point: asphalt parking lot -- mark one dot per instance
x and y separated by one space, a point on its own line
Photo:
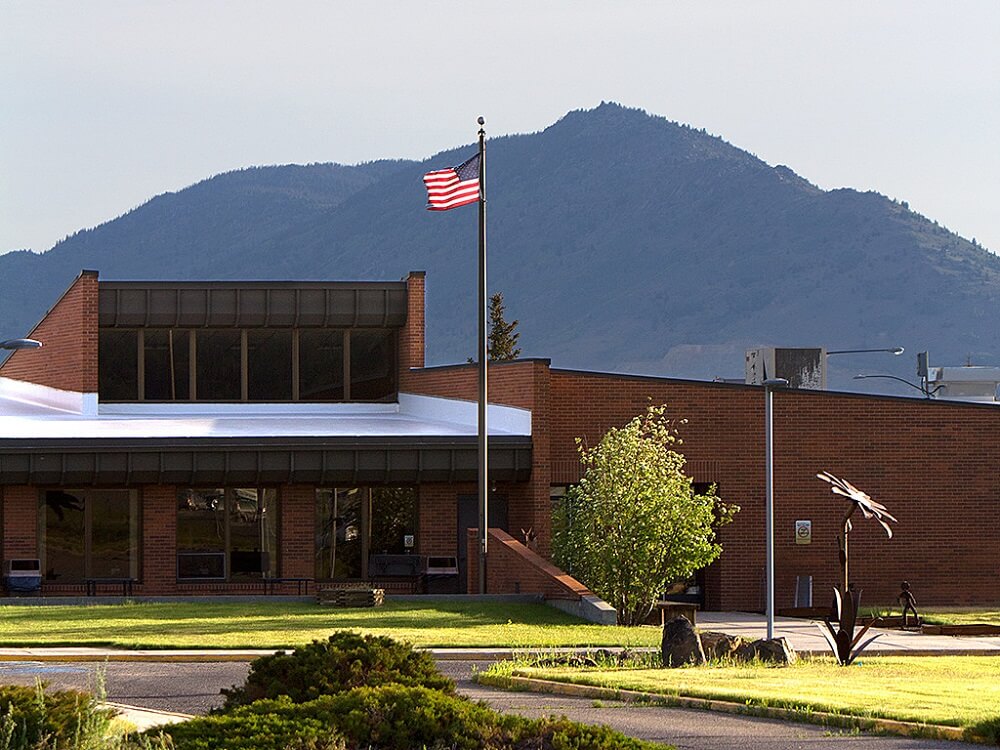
193 687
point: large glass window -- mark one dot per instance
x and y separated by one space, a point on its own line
321 365
356 524
227 534
269 365
219 354
201 533
393 520
118 364
253 533
339 538
89 534
373 365
261 364
166 356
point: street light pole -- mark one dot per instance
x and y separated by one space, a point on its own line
769 385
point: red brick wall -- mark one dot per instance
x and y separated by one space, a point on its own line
932 463
512 568
20 522
297 531
159 540
520 383
437 520
68 332
411 338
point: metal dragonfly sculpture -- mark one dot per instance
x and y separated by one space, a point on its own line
847 646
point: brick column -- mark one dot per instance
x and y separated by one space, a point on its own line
20 522
297 530
411 337
437 518
159 540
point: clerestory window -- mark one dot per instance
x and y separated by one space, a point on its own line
264 364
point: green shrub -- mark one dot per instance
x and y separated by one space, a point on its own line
32 719
252 730
343 662
390 717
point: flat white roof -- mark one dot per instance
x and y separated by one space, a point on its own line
29 411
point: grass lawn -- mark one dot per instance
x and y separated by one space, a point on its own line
945 616
961 616
962 691
285 624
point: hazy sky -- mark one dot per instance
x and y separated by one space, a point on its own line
106 104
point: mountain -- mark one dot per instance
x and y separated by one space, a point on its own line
622 241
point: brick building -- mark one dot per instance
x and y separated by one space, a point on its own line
209 437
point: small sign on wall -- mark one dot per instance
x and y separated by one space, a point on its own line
408 540
803 532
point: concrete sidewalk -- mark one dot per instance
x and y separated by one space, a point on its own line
146 718
803 635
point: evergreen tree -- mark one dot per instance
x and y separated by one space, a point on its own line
502 344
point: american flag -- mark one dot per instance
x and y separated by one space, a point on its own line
453 187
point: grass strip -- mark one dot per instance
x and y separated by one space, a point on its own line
949 616
263 625
956 691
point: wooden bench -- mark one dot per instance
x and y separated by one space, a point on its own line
670 610
91 584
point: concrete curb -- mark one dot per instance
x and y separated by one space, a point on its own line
237 655
54 655
905 728
145 718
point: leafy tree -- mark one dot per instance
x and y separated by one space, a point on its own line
635 524
502 344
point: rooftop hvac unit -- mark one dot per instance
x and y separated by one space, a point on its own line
802 368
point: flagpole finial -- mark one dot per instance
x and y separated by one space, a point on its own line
481 120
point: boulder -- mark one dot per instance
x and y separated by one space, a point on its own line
774 651
720 645
681 644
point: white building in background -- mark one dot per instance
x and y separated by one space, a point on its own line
980 384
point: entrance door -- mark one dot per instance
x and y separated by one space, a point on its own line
468 518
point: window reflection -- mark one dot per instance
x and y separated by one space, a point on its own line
166 355
354 523
118 364
321 366
89 534
218 365
219 357
269 365
201 533
227 533
373 365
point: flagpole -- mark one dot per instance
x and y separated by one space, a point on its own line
484 488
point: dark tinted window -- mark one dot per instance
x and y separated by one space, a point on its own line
219 356
321 366
269 365
89 534
166 360
118 365
373 365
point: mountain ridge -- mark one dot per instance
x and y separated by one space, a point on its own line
621 240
